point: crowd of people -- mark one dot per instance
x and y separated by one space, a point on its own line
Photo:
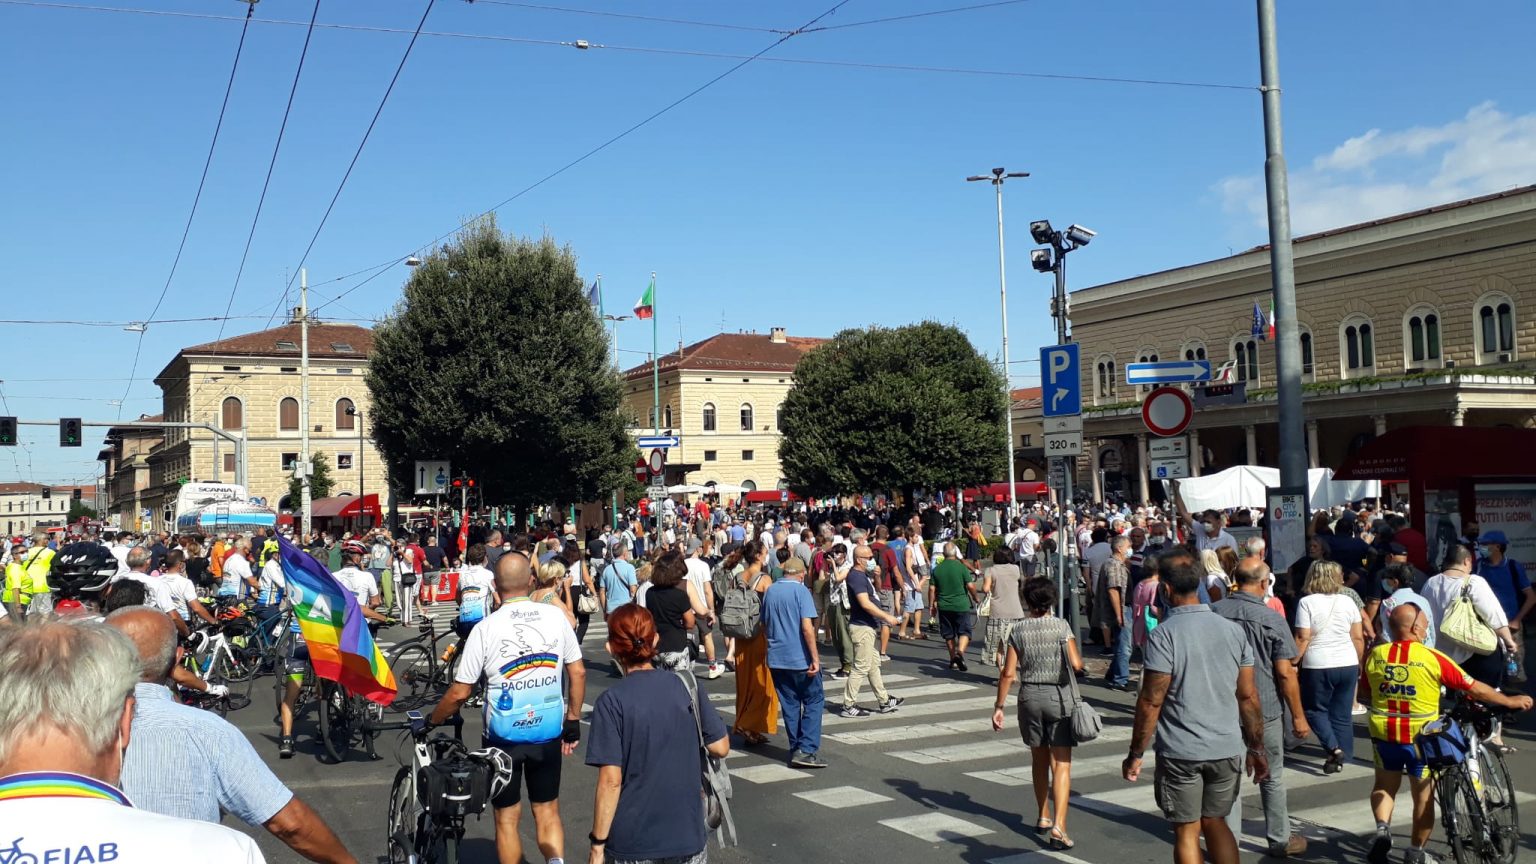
1239 665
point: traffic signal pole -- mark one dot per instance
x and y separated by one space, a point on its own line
236 440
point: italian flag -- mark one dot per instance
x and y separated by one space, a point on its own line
1271 327
646 306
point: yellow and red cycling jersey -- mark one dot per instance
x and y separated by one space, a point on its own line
1405 680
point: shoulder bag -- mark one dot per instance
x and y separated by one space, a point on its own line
1464 625
716 778
1086 722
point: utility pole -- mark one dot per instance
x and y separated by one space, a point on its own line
1282 269
997 178
305 501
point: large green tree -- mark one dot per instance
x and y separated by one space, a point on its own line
885 409
494 360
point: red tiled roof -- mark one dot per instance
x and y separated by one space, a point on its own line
745 352
19 488
323 339
1027 397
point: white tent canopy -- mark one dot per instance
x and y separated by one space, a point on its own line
724 488
686 488
1245 486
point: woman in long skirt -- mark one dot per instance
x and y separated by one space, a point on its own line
757 703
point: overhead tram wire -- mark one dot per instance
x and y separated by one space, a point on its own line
197 197
648 18
271 164
616 138
830 27
363 143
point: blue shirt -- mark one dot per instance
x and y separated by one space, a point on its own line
858 583
736 533
1508 581
188 763
1398 598
786 604
619 582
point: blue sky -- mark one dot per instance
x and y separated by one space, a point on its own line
815 197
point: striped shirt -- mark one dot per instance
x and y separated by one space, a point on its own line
185 762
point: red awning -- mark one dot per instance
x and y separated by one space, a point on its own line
767 496
1442 456
999 491
345 507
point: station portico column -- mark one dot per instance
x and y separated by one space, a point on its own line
1196 457
1313 458
1093 469
1380 420
1251 436
1143 467
1458 416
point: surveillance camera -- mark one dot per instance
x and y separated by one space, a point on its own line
1040 259
1041 231
1080 235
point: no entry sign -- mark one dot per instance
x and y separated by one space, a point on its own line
1167 411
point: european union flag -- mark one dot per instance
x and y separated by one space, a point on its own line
1259 324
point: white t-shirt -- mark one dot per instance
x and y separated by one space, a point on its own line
359 582
120 552
1441 590
157 594
1328 616
236 570
182 590
271 581
476 588
58 829
521 651
698 576
1204 541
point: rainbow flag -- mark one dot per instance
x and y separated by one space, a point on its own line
340 647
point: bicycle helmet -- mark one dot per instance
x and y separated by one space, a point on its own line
81 568
500 765
352 547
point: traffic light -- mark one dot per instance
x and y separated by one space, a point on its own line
471 482
69 432
47 493
458 483
76 494
7 431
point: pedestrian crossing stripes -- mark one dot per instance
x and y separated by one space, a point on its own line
841 797
936 826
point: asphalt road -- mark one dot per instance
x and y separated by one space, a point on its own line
929 783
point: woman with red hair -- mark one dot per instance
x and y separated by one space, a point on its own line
649 761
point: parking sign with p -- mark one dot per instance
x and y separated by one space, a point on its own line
1061 385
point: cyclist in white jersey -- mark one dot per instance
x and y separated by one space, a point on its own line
183 592
524 651
359 581
477 590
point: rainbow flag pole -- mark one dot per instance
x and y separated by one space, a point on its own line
340 647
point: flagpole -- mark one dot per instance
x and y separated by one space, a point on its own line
655 361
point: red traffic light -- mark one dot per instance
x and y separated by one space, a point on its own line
471 482
457 483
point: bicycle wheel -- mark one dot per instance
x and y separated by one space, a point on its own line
414 668
1499 803
400 828
338 721
1460 814
234 664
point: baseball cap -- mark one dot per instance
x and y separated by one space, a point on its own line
1397 549
794 565
1493 537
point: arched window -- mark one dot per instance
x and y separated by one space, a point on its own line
232 414
1421 337
1146 355
1306 354
748 486
1245 357
666 417
1357 347
709 416
345 421
1104 379
288 414
746 416
1194 351
1495 329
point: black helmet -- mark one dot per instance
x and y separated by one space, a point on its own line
81 568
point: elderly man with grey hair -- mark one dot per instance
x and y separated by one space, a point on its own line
157 590
66 712
189 763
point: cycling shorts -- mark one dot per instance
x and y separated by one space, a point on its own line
539 763
1399 759
297 660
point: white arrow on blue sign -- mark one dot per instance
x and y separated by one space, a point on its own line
659 442
1168 372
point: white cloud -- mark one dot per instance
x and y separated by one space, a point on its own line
1380 173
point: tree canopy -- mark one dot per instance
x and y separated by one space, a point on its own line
884 409
494 360
320 480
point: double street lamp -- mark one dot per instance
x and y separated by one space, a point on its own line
362 498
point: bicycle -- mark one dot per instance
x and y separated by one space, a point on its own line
430 797
419 674
1475 794
14 855
347 721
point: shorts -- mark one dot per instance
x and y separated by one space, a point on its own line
888 601
913 602
1188 790
297 662
1399 759
539 763
953 625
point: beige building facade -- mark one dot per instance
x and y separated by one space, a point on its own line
1427 318
722 396
249 385
23 507
125 456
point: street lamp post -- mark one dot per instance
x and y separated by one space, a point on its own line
362 477
997 178
613 320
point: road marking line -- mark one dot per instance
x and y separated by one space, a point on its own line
1081 768
1037 857
1357 820
926 709
1139 798
835 699
935 827
839 797
767 773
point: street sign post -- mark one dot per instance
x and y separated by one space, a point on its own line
1064 436
431 476
1168 448
1168 372
658 442
1167 411
1060 381
1170 469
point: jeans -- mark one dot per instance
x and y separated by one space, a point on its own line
1277 811
865 665
1328 695
801 703
1120 666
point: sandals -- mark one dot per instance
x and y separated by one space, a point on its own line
1045 825
1060 841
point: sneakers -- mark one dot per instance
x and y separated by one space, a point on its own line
798 759
714 671
841 674
285 747
1335 762
890 705
885 658
1297 845
1419 856
1381 847
960 663
853 711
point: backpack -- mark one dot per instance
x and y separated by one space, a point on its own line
720 580
741 615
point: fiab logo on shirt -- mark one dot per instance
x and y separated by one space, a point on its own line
85 853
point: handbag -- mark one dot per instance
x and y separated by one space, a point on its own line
1086 722
586 601
1464 625
716 779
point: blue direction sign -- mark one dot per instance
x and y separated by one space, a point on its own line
1061 384
1168 372
658 442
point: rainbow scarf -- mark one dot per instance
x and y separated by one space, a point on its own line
58 784
340 647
